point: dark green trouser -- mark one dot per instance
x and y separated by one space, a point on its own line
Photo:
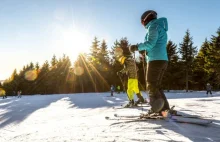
154 75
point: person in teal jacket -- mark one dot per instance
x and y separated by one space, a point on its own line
154 49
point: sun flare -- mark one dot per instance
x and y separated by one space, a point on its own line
72 42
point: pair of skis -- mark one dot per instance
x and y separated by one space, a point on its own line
135 106
179 118
174 118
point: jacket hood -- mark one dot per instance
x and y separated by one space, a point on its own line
161 21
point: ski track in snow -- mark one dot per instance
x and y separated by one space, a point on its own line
81 117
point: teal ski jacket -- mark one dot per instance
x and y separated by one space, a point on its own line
155 40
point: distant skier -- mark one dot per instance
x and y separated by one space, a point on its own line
155 50
208 89
130 69
112 90
118 89
19 94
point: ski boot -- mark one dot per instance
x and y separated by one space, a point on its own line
151 115
130 104
168 113
140 99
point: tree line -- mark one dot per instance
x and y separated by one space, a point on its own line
189 69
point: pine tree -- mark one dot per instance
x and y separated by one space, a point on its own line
171 76
187 52
104 51
94 50
43 78
94 61
172 52
113 60
102 57
31 65
53 61
12 83
37 67
200 75
84 81
104 66
65 72
213 59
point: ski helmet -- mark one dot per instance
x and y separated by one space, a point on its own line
126 51
147 16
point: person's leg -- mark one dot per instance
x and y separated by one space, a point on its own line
137 92
166 103
130 94
130 91
153 78
208 92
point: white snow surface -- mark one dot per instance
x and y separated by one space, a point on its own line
81 117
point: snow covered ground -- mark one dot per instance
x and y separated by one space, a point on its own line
81 117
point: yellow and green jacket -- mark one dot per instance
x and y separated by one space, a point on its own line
130 67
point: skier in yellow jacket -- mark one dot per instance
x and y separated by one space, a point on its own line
130 69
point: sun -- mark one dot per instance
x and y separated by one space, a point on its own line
72 42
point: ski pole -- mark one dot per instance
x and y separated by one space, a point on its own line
143 64
143 53
122 82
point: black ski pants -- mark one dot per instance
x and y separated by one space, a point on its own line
208 91
154 75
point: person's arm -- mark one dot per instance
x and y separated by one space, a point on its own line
151 39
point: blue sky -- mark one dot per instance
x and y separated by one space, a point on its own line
34 30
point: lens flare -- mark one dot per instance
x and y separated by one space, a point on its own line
30 75
2 92
78 70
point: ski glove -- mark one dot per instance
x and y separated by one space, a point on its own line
133 48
